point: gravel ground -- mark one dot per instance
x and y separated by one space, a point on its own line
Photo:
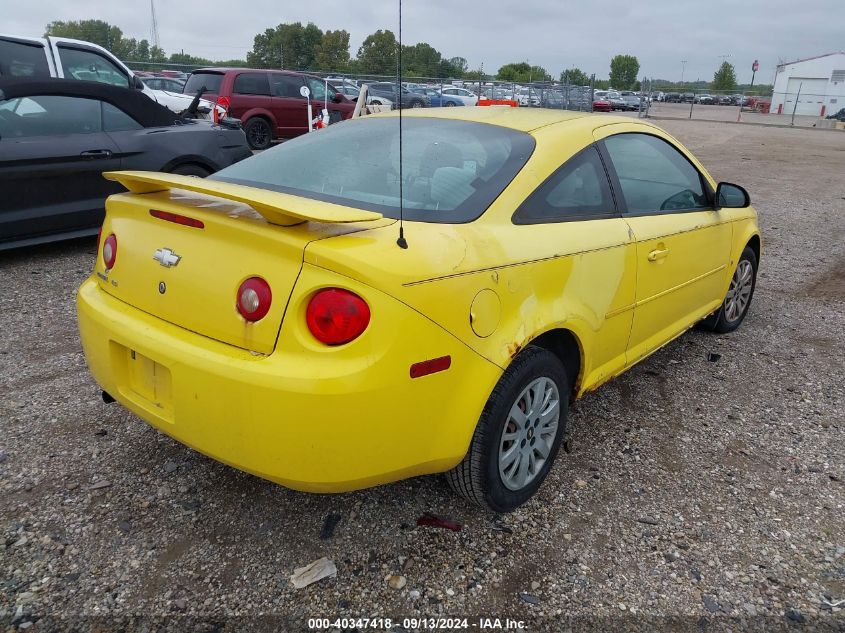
694 494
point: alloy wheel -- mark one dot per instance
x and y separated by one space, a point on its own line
529 433
739 293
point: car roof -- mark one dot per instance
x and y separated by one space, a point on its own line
134 102
520 119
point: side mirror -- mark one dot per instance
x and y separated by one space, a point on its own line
731 196
337 98
137 84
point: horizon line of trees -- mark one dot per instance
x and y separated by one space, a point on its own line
294 46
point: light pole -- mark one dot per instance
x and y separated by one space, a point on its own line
683 67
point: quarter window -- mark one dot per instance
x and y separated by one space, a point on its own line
578 190
116 120
654 176
252 84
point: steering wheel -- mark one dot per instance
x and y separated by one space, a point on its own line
685 199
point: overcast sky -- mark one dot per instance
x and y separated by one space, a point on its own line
555 34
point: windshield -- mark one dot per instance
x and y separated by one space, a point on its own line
453 170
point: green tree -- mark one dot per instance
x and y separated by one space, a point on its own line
332 53
724 78
189 60
420 60
377 55
522 72
454 67
475 74
575 77
287 46
95 31
623 71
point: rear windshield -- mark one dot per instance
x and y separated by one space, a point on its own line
211 81
452 170
18 59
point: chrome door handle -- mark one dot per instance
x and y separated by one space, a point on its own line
654 255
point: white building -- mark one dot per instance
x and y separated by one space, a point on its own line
813 86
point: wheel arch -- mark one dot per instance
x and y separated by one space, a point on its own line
190 159
755 245
566 345
261 113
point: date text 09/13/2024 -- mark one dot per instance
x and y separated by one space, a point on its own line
418 624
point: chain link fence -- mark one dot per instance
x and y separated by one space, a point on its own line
784 108
800 110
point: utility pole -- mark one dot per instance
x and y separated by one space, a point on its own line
281 56
683 68
154 41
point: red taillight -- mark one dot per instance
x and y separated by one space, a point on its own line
336 316
184 220
254 298
110 251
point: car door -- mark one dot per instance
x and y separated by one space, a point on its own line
683 244
573 215
322 98
77 61
250 92
289 107
53 151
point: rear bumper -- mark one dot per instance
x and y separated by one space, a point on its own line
319 420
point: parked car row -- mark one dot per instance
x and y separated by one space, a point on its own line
703 99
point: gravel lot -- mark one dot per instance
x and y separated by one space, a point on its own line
694 494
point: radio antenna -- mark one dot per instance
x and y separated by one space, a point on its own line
401 241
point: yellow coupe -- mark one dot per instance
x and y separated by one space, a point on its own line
269 317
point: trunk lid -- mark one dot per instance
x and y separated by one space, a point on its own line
189 275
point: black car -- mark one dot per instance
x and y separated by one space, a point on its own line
388 91
58 136
839 116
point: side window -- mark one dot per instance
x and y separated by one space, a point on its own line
91 66
252 84
19 59
47 115
318 89
116 120
654 175
287 86
578 190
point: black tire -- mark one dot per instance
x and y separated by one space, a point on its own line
258 133
450 104
417 104
190 170
719 321
477 477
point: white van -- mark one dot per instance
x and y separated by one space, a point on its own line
73 59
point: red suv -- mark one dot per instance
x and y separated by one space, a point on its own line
269 102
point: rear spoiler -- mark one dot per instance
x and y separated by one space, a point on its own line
278 208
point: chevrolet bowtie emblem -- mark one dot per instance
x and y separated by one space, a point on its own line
166 257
